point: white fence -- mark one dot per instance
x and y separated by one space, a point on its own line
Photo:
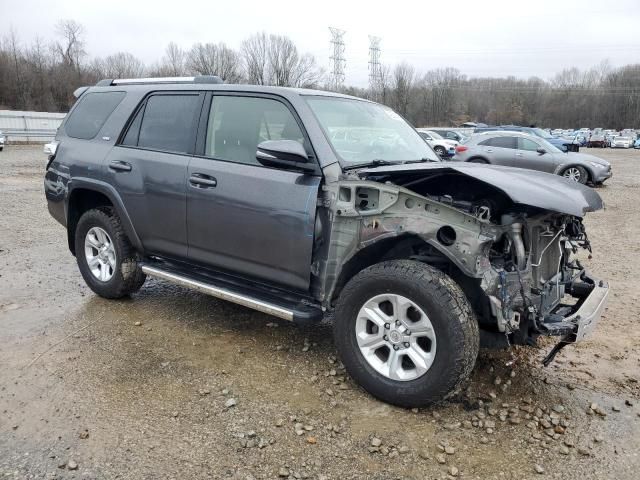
29 127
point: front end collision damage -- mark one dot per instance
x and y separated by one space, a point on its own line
514 261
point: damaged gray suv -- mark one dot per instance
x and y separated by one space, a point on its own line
304 205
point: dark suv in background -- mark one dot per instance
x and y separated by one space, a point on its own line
303 204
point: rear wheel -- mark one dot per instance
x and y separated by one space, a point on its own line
406 333
106 259
576 174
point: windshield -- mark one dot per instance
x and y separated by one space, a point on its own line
362 132
542 133
434 135
549 147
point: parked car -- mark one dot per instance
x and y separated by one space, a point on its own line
450 134
579 140
636 144
564 144
2 141
244 193
629 133
516 149
443 147
596 141
621 142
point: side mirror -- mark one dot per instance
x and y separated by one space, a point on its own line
283 154
541 151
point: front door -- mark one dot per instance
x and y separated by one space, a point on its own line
528 156
244 217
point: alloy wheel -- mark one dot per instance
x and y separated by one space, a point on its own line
100 254
396 337
572 174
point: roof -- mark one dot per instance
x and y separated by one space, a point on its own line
185 84
500 133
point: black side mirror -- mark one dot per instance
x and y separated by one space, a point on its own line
541 151
284 154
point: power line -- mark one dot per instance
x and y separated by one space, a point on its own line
336 60
375 68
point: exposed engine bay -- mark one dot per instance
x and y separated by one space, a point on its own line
515 261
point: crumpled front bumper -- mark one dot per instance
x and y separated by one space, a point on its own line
586 317
581 321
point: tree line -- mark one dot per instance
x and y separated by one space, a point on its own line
42 76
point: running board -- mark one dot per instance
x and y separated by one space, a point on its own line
297 313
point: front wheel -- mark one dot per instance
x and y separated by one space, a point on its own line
406 333
106 259
576 174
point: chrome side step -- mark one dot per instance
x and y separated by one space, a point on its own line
222 293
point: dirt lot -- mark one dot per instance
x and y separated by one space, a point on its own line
174 384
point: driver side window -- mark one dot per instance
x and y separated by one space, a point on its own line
238 124
528 145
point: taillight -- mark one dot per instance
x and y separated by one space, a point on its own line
461 148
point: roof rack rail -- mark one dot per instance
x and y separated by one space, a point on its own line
107 82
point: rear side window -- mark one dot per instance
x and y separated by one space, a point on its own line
500 142
91 113
166 123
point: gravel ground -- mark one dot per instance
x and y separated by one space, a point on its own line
174 384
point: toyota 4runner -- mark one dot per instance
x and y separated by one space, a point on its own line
305 204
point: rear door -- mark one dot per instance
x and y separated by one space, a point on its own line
243 217
149 168
500 150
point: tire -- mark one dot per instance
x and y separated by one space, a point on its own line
478 160
454 328
440 151
576 173
121 261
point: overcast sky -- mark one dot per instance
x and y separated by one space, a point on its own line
480 38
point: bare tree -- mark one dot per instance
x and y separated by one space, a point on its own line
16 55
215 59
118 65
71 49
275 60
403 77
173 61
254 51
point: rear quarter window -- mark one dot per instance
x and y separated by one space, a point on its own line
91 113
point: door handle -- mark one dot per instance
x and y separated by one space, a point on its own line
519 154
200 180
120 166
489 150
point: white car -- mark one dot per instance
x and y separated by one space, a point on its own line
621 142
2 140
443 147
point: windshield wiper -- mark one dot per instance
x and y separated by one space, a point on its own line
421 160
373 163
